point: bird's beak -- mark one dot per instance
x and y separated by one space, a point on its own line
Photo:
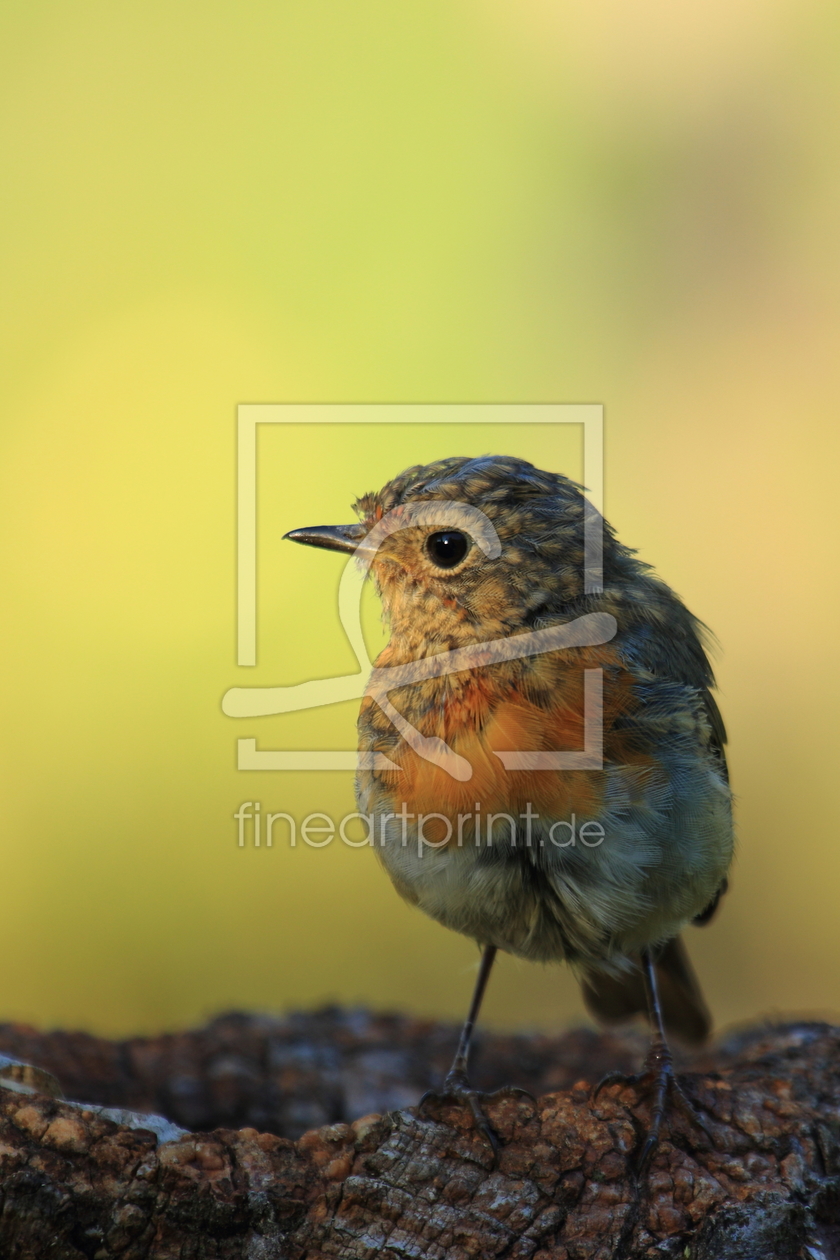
333 537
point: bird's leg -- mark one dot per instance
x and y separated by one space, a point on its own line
658 1062
457 1077
456 1086
660 1066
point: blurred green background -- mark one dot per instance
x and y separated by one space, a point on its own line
210 204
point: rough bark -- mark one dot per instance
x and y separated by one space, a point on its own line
75 1184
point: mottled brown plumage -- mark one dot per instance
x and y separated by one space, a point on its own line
660 794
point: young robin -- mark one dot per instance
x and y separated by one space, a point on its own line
551 778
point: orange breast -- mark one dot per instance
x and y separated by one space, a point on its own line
485 720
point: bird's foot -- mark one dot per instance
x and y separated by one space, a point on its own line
660 1079
659 1069
457 1088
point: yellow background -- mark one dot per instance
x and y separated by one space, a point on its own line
511 200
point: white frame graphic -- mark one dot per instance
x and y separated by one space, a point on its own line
252 701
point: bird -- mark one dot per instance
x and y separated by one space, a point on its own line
498 623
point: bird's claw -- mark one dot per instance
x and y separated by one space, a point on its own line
457 1088
511 1091
667 1088
614 1078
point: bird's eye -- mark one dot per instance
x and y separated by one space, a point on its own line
447 547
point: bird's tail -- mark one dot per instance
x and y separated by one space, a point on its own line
612 999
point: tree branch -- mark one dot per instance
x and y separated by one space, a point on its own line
75 1184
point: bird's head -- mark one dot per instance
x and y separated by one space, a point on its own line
467 549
